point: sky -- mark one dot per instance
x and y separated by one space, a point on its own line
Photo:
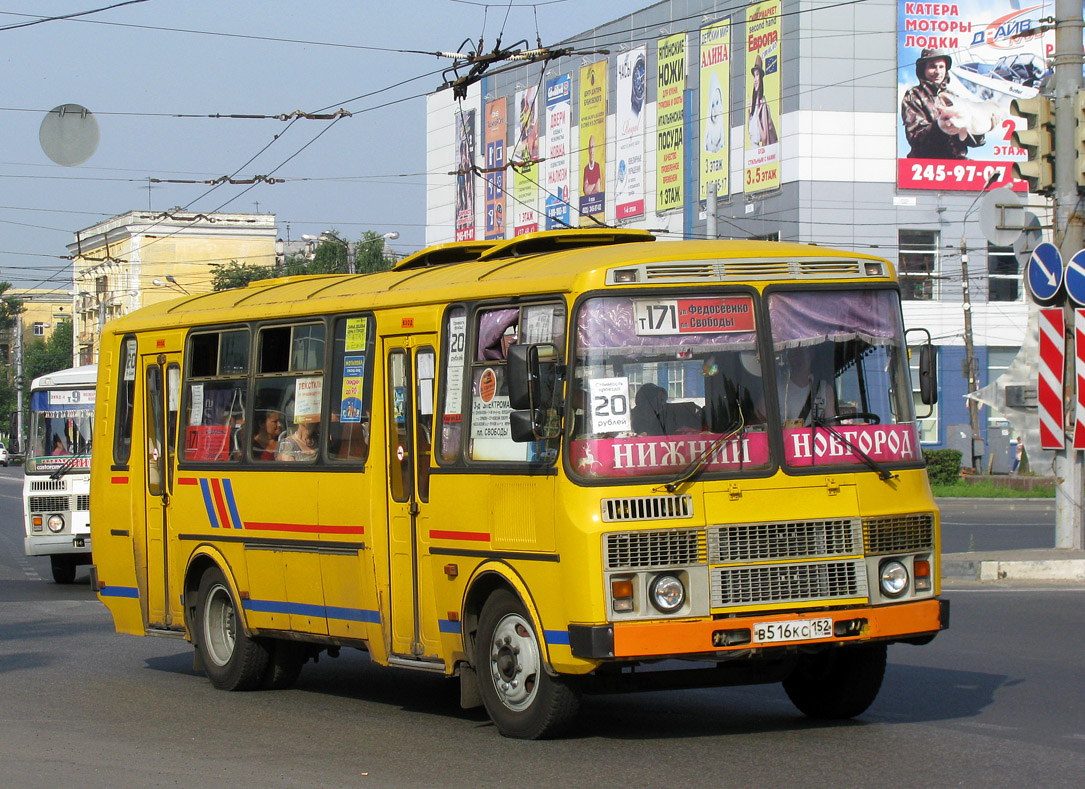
140 67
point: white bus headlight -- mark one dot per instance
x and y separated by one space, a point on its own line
894 578
56 523
667 593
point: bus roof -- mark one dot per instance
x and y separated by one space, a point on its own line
545 262
72 377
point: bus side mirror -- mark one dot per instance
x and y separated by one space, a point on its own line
928 375
532 375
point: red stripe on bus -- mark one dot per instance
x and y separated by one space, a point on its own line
220 505
308 528
188 481
473 536
119 480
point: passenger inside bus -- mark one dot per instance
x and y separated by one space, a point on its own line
265 441
300 444
654 416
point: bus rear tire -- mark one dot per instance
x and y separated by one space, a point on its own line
63 568
231 659
522 700
838 683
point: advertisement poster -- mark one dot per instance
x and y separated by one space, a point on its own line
629 137
593 145
465 177
494 140
715 108
959 66
762 106
558 125
353 379
525 156
670 121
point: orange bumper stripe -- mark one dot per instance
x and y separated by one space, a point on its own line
644 639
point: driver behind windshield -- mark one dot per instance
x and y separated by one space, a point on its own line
803 388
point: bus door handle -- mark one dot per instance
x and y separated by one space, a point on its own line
413 507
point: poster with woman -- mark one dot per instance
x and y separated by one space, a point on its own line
762 114
593 144
525 157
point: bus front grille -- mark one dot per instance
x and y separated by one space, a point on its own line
787 583
899 534
647 508
49 484
47 503
82 503
637 550
759 542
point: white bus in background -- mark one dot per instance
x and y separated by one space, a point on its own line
56 490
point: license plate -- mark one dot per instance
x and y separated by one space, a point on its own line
792 630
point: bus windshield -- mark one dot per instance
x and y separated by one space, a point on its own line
61 428
842 382
658 382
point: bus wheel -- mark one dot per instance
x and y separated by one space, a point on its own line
522 699
838 683
284 665
63 569
231 659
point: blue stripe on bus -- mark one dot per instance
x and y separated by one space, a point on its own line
209 505
228 490
557 636
119 591
448 626
308 609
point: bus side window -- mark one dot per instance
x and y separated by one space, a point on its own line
351 389
452 408
289 384
126 390
214 415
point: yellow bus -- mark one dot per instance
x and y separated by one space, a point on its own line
534 465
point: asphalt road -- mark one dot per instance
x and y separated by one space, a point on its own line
993 702
997 524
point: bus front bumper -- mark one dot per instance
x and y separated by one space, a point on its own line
42 545
918 621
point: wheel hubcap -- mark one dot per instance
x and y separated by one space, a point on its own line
515 662
220 625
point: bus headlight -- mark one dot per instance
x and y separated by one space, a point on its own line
667 593
893 577
56 523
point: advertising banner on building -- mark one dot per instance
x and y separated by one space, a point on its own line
593 144
558 132
670 121
959 65
715 106
494 136
525 157
465 176
762 110
629 134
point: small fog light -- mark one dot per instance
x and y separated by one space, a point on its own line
56 523
621 591
894 578
667 593
921 568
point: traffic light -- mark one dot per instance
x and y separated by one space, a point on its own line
1038 139
1079 139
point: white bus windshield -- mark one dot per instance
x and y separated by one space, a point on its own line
61 427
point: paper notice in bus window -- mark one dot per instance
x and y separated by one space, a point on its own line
307 393
538 324
457 344
355 339
195 416
610 405
713 315
130 361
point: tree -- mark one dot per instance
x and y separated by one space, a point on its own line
10 309
237 275
371 254
47 356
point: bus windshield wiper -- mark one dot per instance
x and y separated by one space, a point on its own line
694 468
883 473
69 464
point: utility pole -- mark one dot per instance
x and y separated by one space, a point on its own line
970 358
19 385
1068 237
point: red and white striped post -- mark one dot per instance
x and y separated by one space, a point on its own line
1079 373
1050 386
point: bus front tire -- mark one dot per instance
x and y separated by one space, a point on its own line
522 700
838 683
63 568
231 659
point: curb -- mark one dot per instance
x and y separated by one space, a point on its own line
1012 569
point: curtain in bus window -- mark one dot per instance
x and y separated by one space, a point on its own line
811 317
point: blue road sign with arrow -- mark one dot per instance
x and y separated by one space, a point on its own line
1075 278
1044 273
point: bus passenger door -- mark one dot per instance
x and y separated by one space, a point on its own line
162 393
410 364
